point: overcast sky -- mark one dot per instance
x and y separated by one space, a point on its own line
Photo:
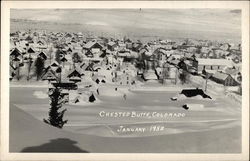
218 21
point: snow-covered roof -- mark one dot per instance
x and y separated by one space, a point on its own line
219 62
220 75
150 75
90 44
111 43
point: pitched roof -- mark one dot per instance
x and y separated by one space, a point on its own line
43 55
74 73
15 52
111 43
90 44
219 62
150 75
64 59
31 50
54 64
49 74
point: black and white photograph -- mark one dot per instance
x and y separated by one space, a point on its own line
126 80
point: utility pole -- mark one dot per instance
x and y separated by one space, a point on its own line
207 77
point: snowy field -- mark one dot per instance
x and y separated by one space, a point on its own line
144 113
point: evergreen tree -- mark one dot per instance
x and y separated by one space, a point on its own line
56 116
76 58
58 56
39 65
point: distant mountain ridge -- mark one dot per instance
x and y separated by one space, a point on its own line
116 31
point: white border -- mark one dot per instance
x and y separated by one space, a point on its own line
5 13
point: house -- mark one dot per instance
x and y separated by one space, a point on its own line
223 78
125 79
93 46
121 45
89 54
75 75
99 79
235 73
54 64
69 50
112 46
40 42
63 60
29 39
49 74
15 53
88 67
31 50
149 75
43 55
136 46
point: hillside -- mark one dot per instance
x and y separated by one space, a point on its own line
144 34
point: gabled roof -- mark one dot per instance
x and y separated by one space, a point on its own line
91 44
40 42
28 38
15 52
74 73
89 67
54 64
42 54
64 59
111 43
69 49
16 59
31 50
49 74
150 75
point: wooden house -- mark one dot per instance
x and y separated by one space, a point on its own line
112 46
43 55
225 79
93 46
75 75
49 74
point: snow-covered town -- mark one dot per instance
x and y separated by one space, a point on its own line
90 88
81 64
